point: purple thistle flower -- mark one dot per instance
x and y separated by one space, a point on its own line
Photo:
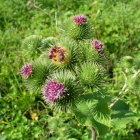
80 19
98 45
57 54
26 71
53 91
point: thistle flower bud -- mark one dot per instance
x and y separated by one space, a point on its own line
32 45
91 74
80 19
35 74
79 29
26 71
53 91
48 42
61 91
98 45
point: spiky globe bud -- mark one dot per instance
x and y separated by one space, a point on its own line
31 46
35 74
91 75
61 90
80 19
32 42
26 71
78 28
48 42
53 91
101 51
89 53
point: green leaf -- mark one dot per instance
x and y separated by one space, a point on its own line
101 113
94 113
121 115
98 106
88 120
120 105
101 128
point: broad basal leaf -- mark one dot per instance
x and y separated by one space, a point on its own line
121 115
94 113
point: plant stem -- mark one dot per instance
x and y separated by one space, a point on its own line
135 75
124 90
94 133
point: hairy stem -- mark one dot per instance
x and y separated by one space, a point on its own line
94 133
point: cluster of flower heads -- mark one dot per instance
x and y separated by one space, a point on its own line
98 45
53 91
57 54
80 19
26 71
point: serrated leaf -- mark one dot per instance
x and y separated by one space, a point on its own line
120 105
90 121
94 113
101 128
101 113
98 107
121 115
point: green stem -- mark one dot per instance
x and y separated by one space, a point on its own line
94 133
124 90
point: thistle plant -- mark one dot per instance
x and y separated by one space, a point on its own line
71 74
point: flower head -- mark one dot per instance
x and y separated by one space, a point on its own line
57 54
26 71
53 91
98 45
80 19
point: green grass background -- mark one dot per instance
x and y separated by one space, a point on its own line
116 23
